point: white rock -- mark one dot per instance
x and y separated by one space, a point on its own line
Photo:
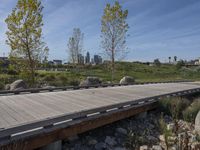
173 147
144 147
156 147
110 141
127 80
197 123
7 87
90 81
122 131
92 142
100 146
161 138
18 85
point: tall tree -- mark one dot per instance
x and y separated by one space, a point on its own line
114 29
175 58
25 36
75 45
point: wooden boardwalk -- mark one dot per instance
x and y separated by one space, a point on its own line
22 109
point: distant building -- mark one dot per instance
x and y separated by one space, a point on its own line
197 61
57 62
97 59
80 59
92 61
50 62
3 58
87 58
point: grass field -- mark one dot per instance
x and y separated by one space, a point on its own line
141 73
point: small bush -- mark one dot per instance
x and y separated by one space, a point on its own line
1 86
180 64
49 77
174 106
63 78
12 71
74 82
190 112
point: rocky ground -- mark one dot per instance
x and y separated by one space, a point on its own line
140 132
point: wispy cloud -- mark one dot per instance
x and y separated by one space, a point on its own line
158 28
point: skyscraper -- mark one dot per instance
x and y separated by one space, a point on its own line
87 58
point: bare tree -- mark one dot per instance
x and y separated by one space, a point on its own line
75 45
114 29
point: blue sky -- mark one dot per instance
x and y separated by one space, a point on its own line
158 28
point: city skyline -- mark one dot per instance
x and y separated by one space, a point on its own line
158 29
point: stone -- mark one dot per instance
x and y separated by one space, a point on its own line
110 141
7 87
170 126
195 146
48 87
151 126
122 131
152 139
100 146
73 138
18 85
156 147
91 81
141 115
144 147
174 147
197 123
92 142
119 148
127 80
53 146
78 146
161 138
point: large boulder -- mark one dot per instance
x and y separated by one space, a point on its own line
127 80
197 123
91 81
7 87
18 85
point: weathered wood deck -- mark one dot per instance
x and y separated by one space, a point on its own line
19 110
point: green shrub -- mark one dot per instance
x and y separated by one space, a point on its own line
180 64
173 106
190 112
163 128
49 77
1 86
63 79
74 82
